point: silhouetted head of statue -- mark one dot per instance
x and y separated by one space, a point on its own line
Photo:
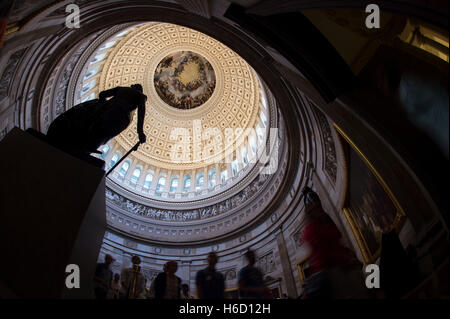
137 87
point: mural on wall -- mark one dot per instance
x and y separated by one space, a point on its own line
370 207
184 80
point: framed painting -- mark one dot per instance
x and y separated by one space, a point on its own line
303 269
370 207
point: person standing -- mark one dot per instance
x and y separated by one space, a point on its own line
103 277
210 283
113 292
250 278
167 284
132 280
336 273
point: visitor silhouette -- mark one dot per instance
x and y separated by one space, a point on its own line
85 127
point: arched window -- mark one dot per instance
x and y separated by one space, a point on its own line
107 45
244 156
260 133
252 143
124 169
199 181
135 176
90 73
88 86
263 119
121 34
174 184
114 160
148 180
212 177
224 176
88 97
264 101
234 168
161 182
105 151
187 183
98 58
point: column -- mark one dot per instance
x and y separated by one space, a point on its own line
229 172
205 180
141 180
180 188
286 265
184 272
193 184
154 181
130 170
217 169
167 184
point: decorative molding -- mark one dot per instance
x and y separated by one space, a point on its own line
200 7
150 274
61 11
266 263
8 72
201 213
329 148
235 102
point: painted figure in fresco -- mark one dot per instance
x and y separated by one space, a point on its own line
87 126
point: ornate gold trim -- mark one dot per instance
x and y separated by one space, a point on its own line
399 219
343 156
12 28
367 256
301 273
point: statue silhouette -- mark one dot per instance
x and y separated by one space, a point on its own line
85 127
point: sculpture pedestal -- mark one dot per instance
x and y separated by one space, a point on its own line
52 213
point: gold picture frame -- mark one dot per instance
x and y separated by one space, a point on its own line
368 251
232 293
300 269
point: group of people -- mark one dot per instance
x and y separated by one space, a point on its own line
335 272
210 283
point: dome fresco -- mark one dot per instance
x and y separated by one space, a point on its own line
227 96
184 80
